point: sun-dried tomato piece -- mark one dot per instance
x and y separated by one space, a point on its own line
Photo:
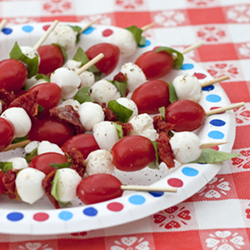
77 161
126 127
161 125
165 151
6 98
109 115
120 77
69 115
9 179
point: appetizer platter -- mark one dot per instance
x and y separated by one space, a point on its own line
122 196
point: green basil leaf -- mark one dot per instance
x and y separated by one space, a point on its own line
119 129
178 61
65 55
122 113
43 77
121 87
209 155
137 33
31 63
54 191
155 164
172 93
60 165
30 156
16 140
162 112
82 95
77 29
5 166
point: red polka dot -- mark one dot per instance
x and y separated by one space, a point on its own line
175 182
45 27
40 216
107 32
200 75
115 206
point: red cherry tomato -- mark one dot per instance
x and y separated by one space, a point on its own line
50 129
42 162
6 133
186 115
111 56
13 75
150 96
51 58
2 187
155 64
49 95
132 153
85 143
98 188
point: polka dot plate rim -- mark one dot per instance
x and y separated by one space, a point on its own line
41 218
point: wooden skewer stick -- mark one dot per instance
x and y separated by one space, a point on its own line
223 109
2 24
219 79
20 144
90 63
148 188
211 144
45 35
88 25
148 26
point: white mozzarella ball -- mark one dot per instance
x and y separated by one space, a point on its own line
105 134
47 147
29 184
143 125
187 87
104 91
128 104
31 146
30 52
67 80
90 114
74 103
19 119
87 79
134 74
73 64
125 41
18 163
68 181
99 161
185 146
33 82
65 36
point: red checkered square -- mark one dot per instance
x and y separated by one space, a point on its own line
242 137
242 184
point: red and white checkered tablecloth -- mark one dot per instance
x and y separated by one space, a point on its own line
218 216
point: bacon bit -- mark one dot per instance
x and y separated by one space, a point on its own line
28 102
165 151
47 186
126 127
6 98
77 161
69 115
8 180
120 77
109 115
161 125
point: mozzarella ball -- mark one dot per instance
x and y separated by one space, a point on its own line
30 52
33 82
185 146
134 74
19 119
31 146
65 36
67 80
47 147
128 104
105 134
90 114
104 91
73 64
29 184
187 87
125 41
99 161
18 163
143 125
74 103
68 181
87 79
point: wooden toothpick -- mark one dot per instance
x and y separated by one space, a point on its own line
219 79
2 24
17 145
148 188
223 109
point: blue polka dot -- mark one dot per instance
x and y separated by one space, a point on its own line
190 171
217 123
27 28
216 134
213 98
137 199
187 66
15 216
148 43
88 31
65 215
208 88
7 31
90 211
157 193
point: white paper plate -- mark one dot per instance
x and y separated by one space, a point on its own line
42 218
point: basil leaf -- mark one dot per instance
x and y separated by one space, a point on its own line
155 164
60 165
121 87
172 93
54 191
19 139
137 33
30 156
31 63
5 166
119 129
65 55
162 112
77 29
178 61
209 155
122 113
82 95
43 77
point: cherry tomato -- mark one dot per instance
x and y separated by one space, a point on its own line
50 129
2 187
42 162
132 153
6 133
99 187
49 95
111 56
155 64
51 58
150 96
186 115
85 143
13 75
